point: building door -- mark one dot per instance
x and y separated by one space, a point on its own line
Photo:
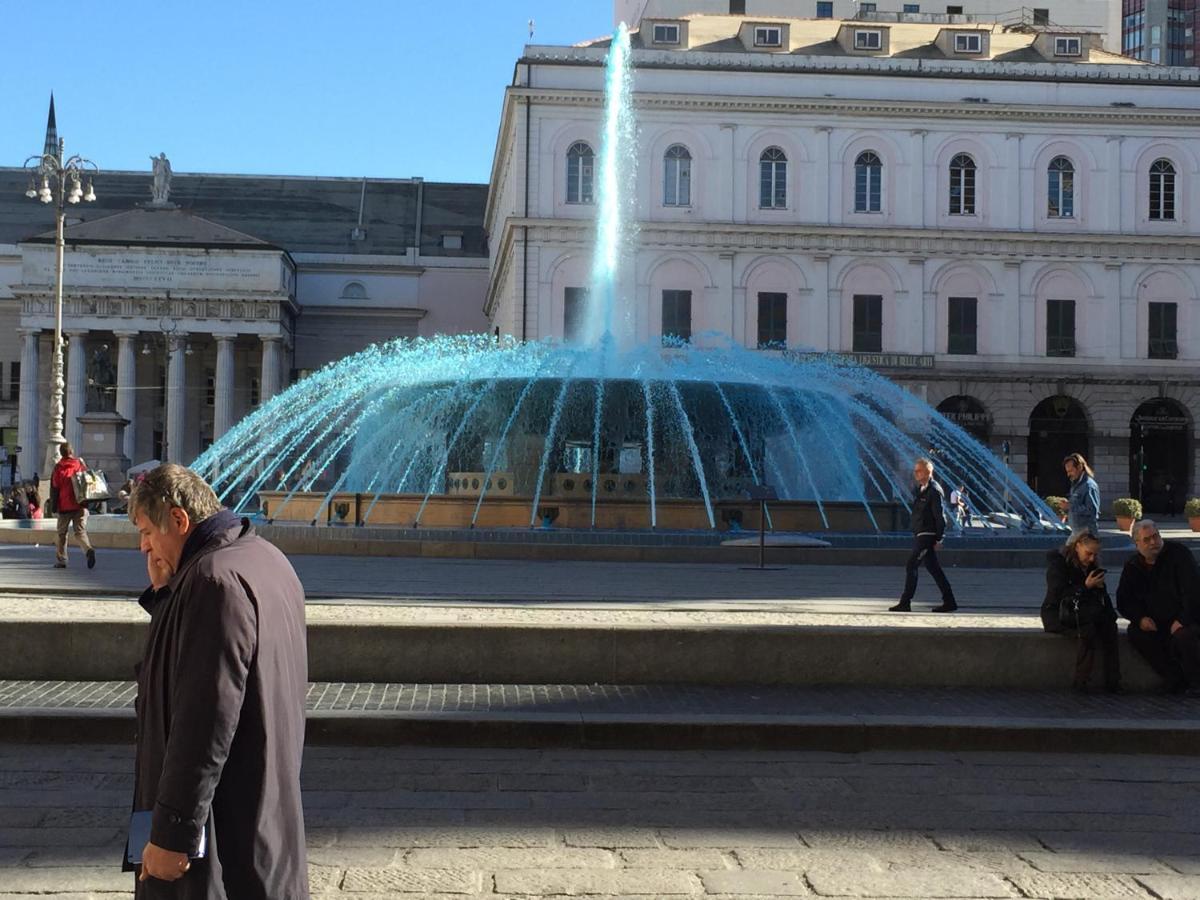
1159 454
1057 426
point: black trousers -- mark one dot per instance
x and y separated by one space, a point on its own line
1102 636
1175 657
923 552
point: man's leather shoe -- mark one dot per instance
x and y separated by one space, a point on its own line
902 606
91 558
945 607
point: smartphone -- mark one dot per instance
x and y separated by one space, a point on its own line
1099 571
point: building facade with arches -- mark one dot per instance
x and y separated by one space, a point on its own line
1011 235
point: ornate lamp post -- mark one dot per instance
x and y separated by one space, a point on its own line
58 180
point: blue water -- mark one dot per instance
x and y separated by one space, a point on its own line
616 419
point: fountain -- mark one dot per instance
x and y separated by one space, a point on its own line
469 431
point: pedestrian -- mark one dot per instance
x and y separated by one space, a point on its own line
1083 499
928 528
220 702
35 503
1077 603
71 514
16 506
1159 593
958 506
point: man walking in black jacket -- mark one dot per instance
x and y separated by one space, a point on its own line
1159 594
928 528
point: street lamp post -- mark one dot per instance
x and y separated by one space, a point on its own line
58 180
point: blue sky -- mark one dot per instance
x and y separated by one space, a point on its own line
311 87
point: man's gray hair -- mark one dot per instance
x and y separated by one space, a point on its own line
168 486
1139 526
925 463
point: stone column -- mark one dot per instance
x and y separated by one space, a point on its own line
76 389
127 390
224 386
818 331
30 400
269 385
176 396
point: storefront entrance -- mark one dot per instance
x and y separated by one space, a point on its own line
1057 426
1160 450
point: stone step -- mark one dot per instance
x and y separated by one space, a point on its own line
347 644
843 719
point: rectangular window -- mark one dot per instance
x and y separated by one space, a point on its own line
14 381
255 392
867 7
954 10
772 321
963 329
868 323
968 43
1060 327
574 309
1041 16
737 7
912 7
1067 46
768 36
210 388
666 34
676 316
868 40
824 9
1163 342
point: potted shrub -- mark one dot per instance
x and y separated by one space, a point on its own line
1191 509
1060 506
1127 510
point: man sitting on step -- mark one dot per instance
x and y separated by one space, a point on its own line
1159 594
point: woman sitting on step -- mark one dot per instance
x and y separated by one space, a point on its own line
1077 604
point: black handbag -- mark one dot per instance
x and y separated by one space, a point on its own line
1082 608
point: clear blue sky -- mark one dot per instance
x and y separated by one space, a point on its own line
310 87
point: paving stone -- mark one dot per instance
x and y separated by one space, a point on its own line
620 881
13 856
490 858
405 880
449 783
688 838
57 837
1172 887
840 881
88 817
523 781
1083 886
97 856
443 837
359 857
323 878
870 841
22 880
658 858
1122 864
1149 843
742 882
610 837
1185 865
978 841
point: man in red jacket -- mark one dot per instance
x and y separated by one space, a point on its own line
70 513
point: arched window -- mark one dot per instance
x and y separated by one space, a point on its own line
1060 189
962 185
772 179
354 290
868 181
580 178
1162 191
677 176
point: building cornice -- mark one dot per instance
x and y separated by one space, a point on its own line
871 108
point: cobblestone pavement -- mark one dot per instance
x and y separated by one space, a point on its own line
848 589
658 700
443 823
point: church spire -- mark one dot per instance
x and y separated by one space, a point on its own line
51 148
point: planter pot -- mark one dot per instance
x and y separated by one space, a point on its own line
1125 523
1194 522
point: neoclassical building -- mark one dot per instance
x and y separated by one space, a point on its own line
183 316
1005 221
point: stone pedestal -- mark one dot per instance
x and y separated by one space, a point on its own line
102 446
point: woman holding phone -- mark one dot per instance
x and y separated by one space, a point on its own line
1077 604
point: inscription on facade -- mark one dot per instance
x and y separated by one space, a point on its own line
177 270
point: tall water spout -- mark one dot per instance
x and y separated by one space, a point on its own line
610 320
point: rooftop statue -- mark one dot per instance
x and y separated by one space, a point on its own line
160 187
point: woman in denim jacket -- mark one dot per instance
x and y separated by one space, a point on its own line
1083 513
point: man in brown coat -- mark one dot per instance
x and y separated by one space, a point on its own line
220 706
